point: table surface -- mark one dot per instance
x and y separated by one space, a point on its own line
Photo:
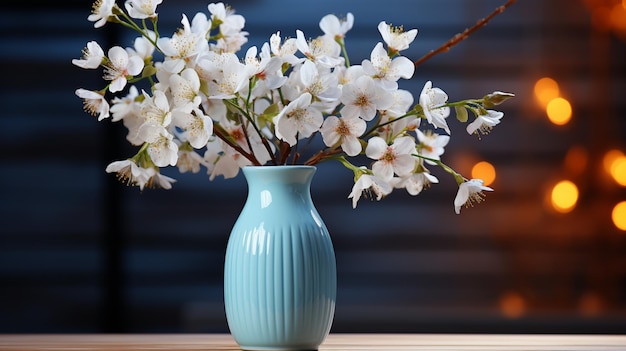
362 342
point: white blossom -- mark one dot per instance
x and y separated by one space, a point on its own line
336 28
196 127
142 47
189 161
470 192
94 103
162 149
142 9
231 77
401 103
101 11
371 185
92 56
431 145
185 90
414 183
159 180
183 48
395 37
345 131
205 103
284 50
391 159
323 49
298 120
266 68
231 35
224 161
126 106
432 100
130 173
120 67
319 81
362 98
484 123
385 70
156 109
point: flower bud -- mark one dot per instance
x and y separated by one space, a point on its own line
496 98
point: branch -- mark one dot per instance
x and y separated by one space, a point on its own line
457 38
223 135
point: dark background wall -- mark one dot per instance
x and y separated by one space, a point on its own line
79 252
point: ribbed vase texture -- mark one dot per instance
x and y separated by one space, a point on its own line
280 277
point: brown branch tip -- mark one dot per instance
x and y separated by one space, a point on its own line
457 38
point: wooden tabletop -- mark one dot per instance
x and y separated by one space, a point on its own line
362 342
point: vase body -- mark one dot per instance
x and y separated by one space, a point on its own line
280 277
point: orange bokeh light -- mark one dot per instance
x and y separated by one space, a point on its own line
576 159
512 305
485 171
590 304
559 111
564 196
609 159
618 17
618 170
546 89
619 215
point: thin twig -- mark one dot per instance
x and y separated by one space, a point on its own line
224 136
457 38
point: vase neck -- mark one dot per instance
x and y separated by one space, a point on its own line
279 174
268 185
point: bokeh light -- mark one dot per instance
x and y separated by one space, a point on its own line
609 159
619 215
618 170
590 304
564 196
618 17
512 305
559 111
600 18
485 171
576 160
546 89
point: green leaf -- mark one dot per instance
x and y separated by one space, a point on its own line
271 111
148 70
266 117
461 113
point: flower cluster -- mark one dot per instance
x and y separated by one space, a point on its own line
202 106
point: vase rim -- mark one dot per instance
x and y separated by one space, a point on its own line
281 166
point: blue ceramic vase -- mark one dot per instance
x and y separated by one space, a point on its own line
280 277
